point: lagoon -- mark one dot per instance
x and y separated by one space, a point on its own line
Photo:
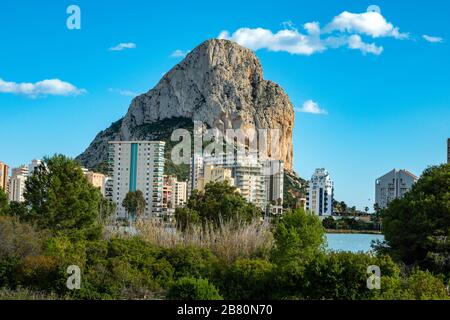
353 242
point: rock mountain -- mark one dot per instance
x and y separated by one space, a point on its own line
219 83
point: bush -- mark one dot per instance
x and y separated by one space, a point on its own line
299 236
248 279
419 285
189 261
188 288
333 275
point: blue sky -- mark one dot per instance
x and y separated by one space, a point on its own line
383 108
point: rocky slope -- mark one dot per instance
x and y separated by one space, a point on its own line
219 83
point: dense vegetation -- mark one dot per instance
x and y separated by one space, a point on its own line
417 227
63 223
350 223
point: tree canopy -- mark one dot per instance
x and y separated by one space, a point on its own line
417 227
61 199
218 203
134 203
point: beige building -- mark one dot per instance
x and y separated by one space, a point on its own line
214 173
4 176
97 180
17 184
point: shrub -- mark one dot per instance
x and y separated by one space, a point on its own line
188 288
419 285
299 236
248 279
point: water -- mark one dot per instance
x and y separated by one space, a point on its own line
353 242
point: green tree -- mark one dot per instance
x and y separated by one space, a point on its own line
417 227
186 218
219 203
134 203
298 237
107 211
62 200
344 207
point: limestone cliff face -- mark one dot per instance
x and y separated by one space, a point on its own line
219 83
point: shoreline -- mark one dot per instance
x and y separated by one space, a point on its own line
353 231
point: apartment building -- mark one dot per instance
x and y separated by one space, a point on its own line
320 193
393 185
137 165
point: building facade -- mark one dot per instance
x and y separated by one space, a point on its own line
215 173
179 193
274 181
393 185
96 179
4 177
32 167
137 165
17 182
244 171
195 173
320 193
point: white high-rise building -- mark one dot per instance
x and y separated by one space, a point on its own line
393 185
274 180
195 173
137 165
320 193
17 183
32 167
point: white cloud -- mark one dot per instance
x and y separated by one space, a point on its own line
54 87
179 53
355 42
311 106
433 39
126 93
369 23
122 46
289 40
345 29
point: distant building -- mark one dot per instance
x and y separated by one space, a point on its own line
195 173
249 179
137 165
179 193
167 191
242 169
320 193
32 167
215 173
4 176
17 182
96 179
274 181
393 185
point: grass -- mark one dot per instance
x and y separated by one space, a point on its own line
231 241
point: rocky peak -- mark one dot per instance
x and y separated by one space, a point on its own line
219 83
